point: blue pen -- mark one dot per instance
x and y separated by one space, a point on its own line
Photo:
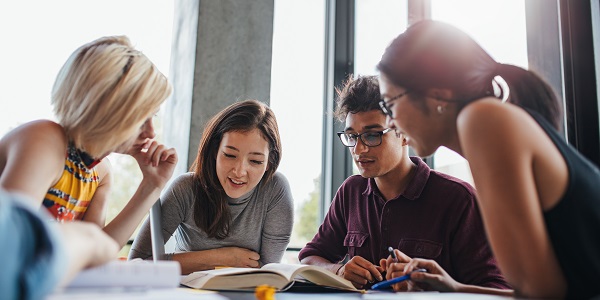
388 283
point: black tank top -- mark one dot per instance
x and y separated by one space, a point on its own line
574 223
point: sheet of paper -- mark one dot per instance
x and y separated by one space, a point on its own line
130 274
133 294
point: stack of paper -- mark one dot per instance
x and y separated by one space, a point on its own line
129 274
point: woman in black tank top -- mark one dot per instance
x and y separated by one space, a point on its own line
539 197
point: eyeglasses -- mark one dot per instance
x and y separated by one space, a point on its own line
384 105
369 138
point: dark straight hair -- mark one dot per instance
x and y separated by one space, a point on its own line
211 212
433 54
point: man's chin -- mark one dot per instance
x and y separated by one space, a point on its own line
367 174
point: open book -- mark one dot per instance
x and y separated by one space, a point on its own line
280 276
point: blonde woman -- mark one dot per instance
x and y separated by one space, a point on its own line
104 99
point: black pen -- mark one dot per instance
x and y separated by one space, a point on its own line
393 254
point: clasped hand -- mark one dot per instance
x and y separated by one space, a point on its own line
239 257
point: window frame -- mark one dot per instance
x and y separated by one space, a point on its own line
555 31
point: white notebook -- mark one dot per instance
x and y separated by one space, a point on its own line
130 274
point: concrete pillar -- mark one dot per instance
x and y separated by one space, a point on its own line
221 54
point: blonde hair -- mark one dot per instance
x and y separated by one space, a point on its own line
104 93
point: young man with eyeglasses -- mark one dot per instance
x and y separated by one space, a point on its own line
397 201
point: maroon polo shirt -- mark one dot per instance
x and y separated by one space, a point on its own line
436 217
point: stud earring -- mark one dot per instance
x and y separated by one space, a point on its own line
440 109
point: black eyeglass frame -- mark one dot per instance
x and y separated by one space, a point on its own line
360 136
384 105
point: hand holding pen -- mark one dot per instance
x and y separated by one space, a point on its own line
360 272
385 284
435 279
395 257
424 274
393 265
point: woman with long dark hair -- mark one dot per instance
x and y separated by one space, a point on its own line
233 209
539 197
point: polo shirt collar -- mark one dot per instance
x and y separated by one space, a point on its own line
415 186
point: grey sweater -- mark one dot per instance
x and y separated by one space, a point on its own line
261 220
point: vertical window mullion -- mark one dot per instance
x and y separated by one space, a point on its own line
580 83
337 164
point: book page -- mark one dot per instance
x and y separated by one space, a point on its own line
289 271
326 278
234 279
198 279
314 274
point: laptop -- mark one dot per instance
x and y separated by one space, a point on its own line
158 243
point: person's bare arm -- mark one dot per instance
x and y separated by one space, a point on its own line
435 279
209 259
34 158
157 165
87 246
498 140
96 211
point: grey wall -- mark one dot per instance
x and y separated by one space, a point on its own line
221 54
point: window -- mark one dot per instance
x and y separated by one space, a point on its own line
297 99
377 24
504 41
40 35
